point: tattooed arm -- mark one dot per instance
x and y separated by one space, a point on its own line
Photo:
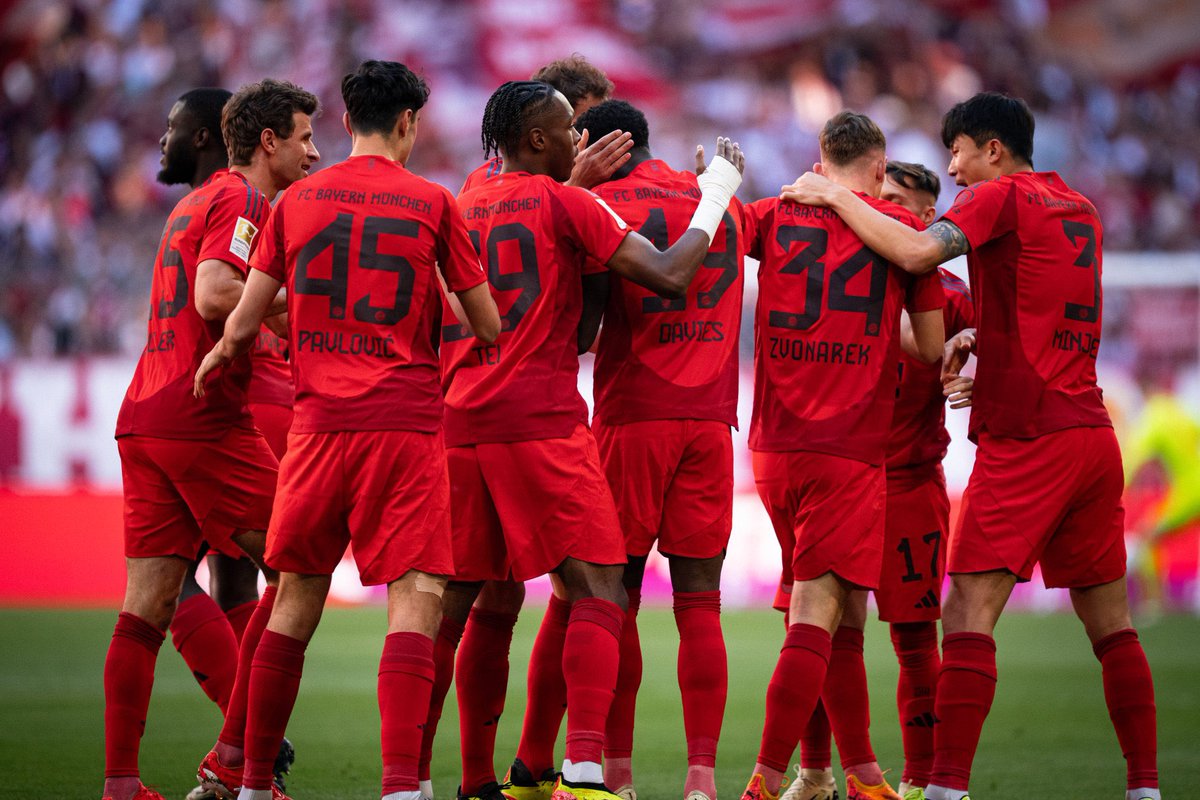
914 251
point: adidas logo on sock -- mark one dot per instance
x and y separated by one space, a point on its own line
926 720
930 600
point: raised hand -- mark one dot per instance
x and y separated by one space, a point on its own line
595 163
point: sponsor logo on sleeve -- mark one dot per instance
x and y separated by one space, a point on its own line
243 237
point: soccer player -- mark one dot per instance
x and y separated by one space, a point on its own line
1046 487
584 85
666 380
529 494
828 315
916 528
195 471
359 248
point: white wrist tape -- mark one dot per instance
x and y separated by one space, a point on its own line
717 185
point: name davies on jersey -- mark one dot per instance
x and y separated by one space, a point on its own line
695 331
346 344
851 353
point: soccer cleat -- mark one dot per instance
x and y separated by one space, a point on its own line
200 793
756 791
912 792
696 794
519 783
143 793
626 792
808 786
224 782
856 790
283 764
581 791
489 791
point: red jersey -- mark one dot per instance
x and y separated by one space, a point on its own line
918 434
219 219
533 236
827 331
484 172
1035 265
662 358
357 245
271 378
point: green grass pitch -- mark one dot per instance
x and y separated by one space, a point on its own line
1048 735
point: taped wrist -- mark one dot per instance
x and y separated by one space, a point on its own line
717 185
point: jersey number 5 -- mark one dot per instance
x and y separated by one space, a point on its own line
336 237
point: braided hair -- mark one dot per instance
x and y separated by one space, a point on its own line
508 113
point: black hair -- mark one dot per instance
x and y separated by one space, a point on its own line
378 92
615 115
917 177
509 111
205 104
991 115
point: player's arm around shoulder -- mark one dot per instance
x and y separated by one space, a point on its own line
914 251
671 271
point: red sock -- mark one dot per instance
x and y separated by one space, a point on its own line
444 648
816 746
274 682
405 681
547 691
590 656
618 732
793 692
202 635
128 679
1129 693
916 649
965 689
703 673
481 676
846 698
233 732
239 618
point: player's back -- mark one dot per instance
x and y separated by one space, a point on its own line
827 330
217 220
1035 264
357 244
918 433
532 235
482 174
663 358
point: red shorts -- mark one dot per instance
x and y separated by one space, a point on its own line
827 512
672 480
520 509
1055 500
273 421
914 545
386 493
179 492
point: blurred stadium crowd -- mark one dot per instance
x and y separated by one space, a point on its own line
85 88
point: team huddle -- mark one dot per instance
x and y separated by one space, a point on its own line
361 358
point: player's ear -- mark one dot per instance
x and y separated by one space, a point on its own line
819 168
201 138
405 122
993 150
537 139
346 122
268 141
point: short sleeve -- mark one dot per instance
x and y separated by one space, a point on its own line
925 293
599 230
270 254
754 215
960 308
457 258
982 211
232 226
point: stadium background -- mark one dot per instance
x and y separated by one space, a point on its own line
84 93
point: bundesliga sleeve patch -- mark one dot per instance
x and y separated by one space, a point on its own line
243 236
615 215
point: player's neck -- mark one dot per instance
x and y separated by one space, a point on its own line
856 181
207 164
637 156
258 174
391 148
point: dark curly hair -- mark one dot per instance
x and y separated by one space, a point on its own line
615 115
509 112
